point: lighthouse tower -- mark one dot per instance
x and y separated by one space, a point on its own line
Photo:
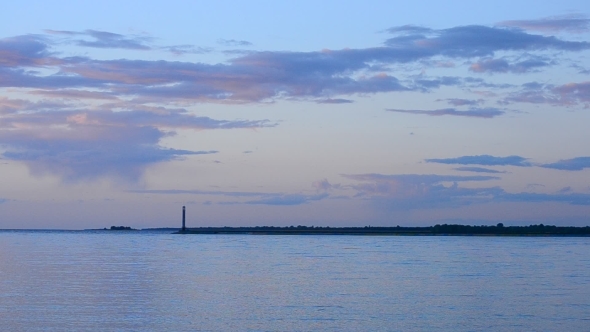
183 218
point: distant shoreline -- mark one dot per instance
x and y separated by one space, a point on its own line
437 230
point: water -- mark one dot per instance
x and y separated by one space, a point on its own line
126 281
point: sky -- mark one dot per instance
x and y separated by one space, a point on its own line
331 113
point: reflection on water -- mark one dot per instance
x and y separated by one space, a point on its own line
76 281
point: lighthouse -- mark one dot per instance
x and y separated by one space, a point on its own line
183 218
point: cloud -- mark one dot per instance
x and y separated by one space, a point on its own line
426 84
75 161
419 178
574 164
104 39
207 192
334 101
186 49
75 94
474 41
26 50
409 29
573 92
10 108
567 23
485 160
486 113
233 42
292 199
416 191
462 102
399 192
86 152
112 108
403 185
82 145
324 186
315 74
61 32
291 73
568 198
264 75
249 78
533 85
580 69
154 117
12 105
530 96
569 94
262 198
478 170
503 66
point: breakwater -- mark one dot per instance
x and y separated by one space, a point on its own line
498 230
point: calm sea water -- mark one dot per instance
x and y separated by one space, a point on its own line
125 281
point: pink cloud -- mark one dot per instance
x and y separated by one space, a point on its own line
569 23
574 92
569 94
78 145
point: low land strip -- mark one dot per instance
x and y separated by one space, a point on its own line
498 230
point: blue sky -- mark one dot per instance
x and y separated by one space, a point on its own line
289 113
